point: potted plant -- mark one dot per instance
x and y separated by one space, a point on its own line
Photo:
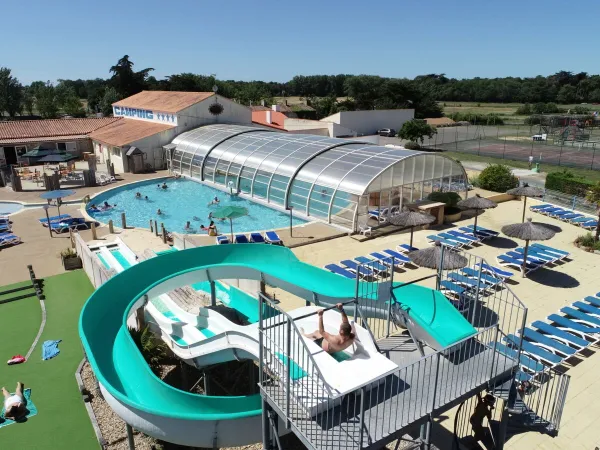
70 259
451 212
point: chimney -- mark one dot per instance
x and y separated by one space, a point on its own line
276 108
262 102
286 102
268 117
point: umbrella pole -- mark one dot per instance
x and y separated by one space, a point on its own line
231 229
524 259
475 226
411 236
524 207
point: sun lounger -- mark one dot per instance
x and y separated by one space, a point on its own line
241 239
538 207
559 214
590 225
468 282
453 288
535 351
548 211
379 215
533 253
405 248
588 309
55 218
75 223
388 260
5 227
399 256
592 300
468 236
353 266
371 263
564 335
483 230
548 341
550 249
222 240
492 281
525 361
588 330
505 260
593 321
462 240
257 238
581 220
340 271
452 244
9 239
530 258
569 217
273 238
500 273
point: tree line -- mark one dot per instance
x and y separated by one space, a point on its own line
327 94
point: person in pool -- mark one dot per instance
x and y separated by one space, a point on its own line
212 229
138 195
164 186
108 206
188 226
333 343
159 212
93 207
146 197
14 405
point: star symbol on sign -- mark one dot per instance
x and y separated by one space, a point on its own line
162 116
172 118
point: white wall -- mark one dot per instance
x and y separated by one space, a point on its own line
198 114
307 126
368 122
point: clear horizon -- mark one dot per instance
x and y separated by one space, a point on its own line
274 41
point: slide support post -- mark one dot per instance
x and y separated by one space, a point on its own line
130 440
213 293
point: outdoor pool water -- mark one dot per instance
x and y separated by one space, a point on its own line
7 208
183 200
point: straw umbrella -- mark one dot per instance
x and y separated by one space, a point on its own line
230 212
528 231
411 219
478 202
526 191
438 257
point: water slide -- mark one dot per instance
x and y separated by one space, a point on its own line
159 410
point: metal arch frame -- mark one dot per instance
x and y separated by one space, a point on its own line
241 164
221 157
286 199
194 138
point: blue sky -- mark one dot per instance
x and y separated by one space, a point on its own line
275 40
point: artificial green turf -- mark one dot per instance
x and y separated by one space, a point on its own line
62 421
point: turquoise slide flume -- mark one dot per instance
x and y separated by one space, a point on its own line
146 402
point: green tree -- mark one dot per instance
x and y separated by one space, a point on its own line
497 178
68 100
125 80
593 196
11 93
110 96
28 100
415 130
567 94
46 101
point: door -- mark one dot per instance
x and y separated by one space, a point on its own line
11 155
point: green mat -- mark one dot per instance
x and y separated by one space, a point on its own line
30 407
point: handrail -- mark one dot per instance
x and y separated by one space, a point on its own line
309 314
308 352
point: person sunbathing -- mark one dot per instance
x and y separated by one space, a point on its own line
14 405
333 343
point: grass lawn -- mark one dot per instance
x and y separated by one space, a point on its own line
590 175
62 421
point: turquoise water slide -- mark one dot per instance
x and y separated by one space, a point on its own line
157 409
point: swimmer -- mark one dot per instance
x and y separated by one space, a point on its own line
146 197
107 206
216 199
210 216
93 207
159 212
164 186
138 195
196 218
188 226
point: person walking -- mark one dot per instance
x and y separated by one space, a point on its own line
530 162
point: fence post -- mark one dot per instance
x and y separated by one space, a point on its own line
562 143
123 221
504 151
111 228
93 227
164 232
593 156
155 228
151 227
479 148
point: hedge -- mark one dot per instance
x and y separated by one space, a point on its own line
568 183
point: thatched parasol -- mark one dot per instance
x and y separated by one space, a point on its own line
438 257
478 202
528 231
411 219
526 191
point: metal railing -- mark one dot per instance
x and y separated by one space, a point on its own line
375 411
573 202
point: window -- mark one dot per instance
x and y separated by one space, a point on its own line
61 146
20 149
116 151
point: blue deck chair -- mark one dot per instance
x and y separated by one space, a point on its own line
273 238
559 214
461 240
497 271
5 227
222 240
469 282
387 260
505 260
468 236
593 300
257 238
590 225
550 249
581 316
548 341
77 223
530 258
535 351
241 239
482 235
9 239
398 256
537 253
548 211
581 219
372 263
587 330
572 337
55 218
452 244
525 361
475 274
569 217
405 248
537 207
353 266
453 288
340 271
484 230
587 308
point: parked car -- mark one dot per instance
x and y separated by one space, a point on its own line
388 132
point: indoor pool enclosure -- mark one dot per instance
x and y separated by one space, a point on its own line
329 179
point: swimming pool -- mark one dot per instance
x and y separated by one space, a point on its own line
7 208
183 200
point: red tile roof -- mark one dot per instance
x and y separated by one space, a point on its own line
165 101
277 119
126 131
17 131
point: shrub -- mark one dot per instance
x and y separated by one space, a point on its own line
524 110
410 145
565 181
588 241
474 181
154 350
477 119
416 130
498 178
449 198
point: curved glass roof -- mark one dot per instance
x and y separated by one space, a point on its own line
317 175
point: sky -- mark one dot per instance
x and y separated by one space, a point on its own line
275 40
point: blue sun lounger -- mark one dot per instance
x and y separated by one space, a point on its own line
241 239
223 240
273 238
548 341
593 321
581 220
453 288
590 225
5 227
405 248
340 271
448 243
569 217
257 238
468 282
371 263
532 252
525 361
505 260
559 214
535 351
550 249
482 230
538 207
475 274
592 300
497 271
9 239
55 218
387 260
587 308
531 258
74 223
548 211
353 266
587 330
468 236
399 256
460 239
573 337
